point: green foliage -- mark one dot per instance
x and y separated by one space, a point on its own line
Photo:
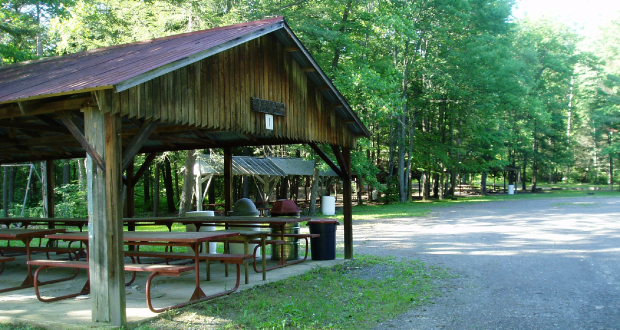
443 86
70 202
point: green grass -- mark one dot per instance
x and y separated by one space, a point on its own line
6 326
355 295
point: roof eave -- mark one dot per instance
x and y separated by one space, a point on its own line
327 81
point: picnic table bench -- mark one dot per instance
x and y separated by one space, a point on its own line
4 259
298 236
47 249
228 258
154 269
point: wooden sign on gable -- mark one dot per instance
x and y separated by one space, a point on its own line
269 107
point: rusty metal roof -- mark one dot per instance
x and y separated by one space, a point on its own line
109 67
246 165
35 96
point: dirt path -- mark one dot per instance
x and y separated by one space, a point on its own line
536 264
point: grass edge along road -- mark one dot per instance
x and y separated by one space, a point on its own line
357 294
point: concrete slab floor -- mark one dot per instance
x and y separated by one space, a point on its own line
22 306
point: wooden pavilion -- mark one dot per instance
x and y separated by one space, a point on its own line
248 84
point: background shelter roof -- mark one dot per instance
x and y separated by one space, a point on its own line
246 165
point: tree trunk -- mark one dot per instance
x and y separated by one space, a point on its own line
156 191
611 168
246 186
523 176
12 177
65 172
176 181
436 185
337 51
402 181
314 191
188 183
424 183
442 194
534 174
360 190
146 179
168 185
81 184
483 183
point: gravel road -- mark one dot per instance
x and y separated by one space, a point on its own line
533 264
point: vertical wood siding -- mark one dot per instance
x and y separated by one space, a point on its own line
216 93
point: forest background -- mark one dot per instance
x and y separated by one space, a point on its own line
451 90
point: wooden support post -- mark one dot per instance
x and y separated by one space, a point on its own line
105 218
347 209
228 182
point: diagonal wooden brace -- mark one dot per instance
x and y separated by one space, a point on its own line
65 116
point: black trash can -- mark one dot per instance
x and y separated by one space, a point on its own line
324 246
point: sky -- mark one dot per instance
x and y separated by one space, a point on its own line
586 15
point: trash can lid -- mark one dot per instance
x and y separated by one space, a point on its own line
324 221
285 206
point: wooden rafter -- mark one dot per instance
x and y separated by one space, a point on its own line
137 142
145 166
326 159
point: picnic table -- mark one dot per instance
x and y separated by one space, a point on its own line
189 239
26 236
277 223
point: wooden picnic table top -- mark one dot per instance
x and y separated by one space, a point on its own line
21 234
237 219
154 236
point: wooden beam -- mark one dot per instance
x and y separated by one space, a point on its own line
77 133
137 142
107 278
22 108
308 69
31 126
347 209
326 159
177 139
26 151
145 166
158 129
49 106
341 162
37 141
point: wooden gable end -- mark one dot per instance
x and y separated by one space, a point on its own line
216 94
